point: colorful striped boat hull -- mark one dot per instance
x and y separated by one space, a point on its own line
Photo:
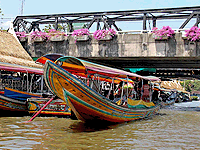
87 104
15 100
10 104
56 108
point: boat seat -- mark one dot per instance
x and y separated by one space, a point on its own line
139 104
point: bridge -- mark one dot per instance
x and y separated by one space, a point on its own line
108 19
173 57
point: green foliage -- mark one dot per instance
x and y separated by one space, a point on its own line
62 28
191 85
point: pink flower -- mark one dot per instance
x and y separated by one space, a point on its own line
20 34
165 31
193 33
53 32
100 34
41 34
80 32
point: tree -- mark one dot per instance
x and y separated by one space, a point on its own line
191 85
62 28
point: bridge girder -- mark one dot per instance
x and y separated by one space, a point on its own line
166 67
108 18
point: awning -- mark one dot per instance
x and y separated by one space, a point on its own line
18 68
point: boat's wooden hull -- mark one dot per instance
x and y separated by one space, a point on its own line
19 95
15 100
55 108
10 104
87 104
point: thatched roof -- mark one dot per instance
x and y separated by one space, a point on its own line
172 85
11 51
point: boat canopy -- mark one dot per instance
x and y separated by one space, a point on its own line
75 65
51 57
19 68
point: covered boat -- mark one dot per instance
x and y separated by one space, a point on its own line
16 85
22 90
92 90
20 77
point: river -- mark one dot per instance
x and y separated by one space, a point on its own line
169 130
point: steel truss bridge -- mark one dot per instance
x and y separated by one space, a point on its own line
107 19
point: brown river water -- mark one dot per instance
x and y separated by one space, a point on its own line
170 129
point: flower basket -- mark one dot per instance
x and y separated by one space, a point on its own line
104 34
54 35
38 36
57 38
106 38
163 33
193 34
23 39
21 36
81 35
81 38
38 39
160 37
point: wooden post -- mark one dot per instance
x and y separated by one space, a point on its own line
41 109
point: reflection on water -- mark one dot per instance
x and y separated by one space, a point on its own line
171 129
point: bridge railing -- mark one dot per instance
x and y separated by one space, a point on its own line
128 31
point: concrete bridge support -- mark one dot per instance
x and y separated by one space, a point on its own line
122 45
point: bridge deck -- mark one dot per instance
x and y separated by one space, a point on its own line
148 62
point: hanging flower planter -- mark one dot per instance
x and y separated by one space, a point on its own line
81 35
55 35
21 36
23 39
161 37
106 38
163 33
38 39
81 38
38 36
193 34
103 35
57 38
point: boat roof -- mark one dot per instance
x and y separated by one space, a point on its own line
76 64
19 68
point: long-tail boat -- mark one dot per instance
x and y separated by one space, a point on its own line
18 84
82 85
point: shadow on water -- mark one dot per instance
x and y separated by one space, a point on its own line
93 126
6 113
80 126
